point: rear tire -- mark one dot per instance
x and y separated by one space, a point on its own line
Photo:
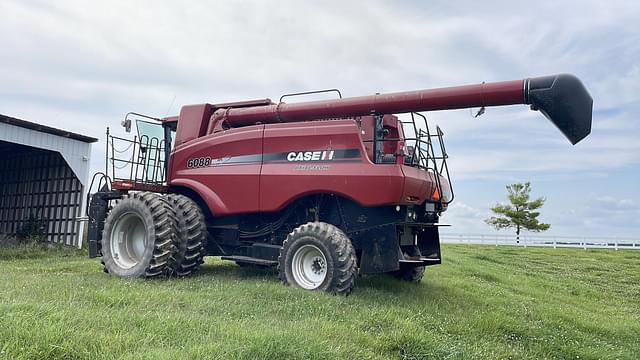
318 256
137 240
191 236
410 273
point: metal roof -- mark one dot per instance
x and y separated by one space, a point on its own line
45 129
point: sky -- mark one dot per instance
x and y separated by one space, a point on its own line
82 65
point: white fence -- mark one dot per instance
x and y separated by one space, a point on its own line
585 242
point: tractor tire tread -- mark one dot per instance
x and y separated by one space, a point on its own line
340 250
191 236
163 221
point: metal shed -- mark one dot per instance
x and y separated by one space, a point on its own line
43 179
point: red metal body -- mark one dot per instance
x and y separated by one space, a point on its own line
249 170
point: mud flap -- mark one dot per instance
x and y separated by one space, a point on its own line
379 249
97 213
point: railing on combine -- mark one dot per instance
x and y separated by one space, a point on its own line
583 242
138 163
140 160
424 154
132 164
419 148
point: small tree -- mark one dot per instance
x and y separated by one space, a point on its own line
520 213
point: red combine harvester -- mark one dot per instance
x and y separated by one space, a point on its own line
323 190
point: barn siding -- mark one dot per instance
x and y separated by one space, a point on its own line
49 182
39 183
75 152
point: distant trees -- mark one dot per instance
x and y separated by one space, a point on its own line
520 213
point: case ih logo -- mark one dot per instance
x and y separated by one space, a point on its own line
310 155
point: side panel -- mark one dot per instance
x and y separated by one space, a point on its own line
287 175
418 184
263 168
223 168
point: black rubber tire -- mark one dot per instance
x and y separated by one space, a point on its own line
191 236
160 223
410 273
342 264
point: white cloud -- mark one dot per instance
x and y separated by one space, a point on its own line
599 215
609 203
465 218
82 65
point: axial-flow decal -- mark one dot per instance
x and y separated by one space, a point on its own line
338 155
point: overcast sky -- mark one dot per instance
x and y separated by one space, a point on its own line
81 65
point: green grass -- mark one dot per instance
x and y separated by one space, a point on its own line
483 302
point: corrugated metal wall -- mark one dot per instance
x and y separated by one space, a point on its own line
76 153
39 184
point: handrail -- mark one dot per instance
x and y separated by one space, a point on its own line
310 92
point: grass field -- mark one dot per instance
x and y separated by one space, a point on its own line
483 302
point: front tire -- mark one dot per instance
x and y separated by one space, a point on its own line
318 256
137 240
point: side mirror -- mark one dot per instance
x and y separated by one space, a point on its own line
126 124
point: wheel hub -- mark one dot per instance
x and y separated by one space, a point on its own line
318 266
309 267
128 240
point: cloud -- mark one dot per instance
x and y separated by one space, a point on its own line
82 65
599 216
611 204
465 218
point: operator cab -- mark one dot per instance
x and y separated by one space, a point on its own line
141 162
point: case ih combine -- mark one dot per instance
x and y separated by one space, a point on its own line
323 190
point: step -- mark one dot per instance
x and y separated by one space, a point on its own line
250 260
420 261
